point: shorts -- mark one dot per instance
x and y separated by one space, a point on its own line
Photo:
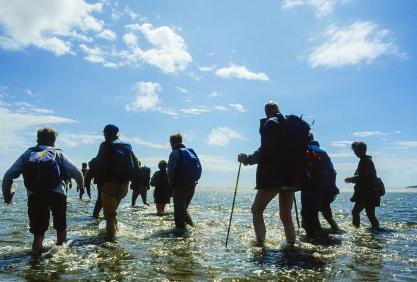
39 207
111 195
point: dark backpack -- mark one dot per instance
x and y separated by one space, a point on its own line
143 176
41 172
123 166
295 137
189 167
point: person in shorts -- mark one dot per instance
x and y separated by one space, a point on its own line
48 194
112 179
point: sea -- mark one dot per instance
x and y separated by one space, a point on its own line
148 248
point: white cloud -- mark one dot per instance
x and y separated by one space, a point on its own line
238 107
407 144
221 136
195 110
170 52
351 45
147 97
214 94
370 133
182 90
221 108
108 35
207 69
321 7
75 140
94 55
45 24
236 71
141 142
15 124
341 144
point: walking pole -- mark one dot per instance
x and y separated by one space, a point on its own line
233 204
296 212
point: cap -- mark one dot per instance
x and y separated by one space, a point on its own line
111 129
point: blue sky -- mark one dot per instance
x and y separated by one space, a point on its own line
205 69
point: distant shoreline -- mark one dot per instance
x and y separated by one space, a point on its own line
414 186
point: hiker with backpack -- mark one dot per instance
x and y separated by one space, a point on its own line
365 196
42 168
140 184
163 192
281 167
115 164
184 171
319 191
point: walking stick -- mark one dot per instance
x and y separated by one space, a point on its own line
233 204
296 212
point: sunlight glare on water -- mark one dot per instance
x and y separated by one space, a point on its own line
148 247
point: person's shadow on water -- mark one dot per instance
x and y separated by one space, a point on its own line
291 257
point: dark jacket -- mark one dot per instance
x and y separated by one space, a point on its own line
162 191
273 169
105 162
364 179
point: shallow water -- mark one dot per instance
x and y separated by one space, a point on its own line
148 248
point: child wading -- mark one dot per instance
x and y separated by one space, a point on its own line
365 196
163 192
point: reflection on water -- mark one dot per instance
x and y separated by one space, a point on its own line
149 248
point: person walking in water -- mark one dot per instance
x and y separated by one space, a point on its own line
140 184
91 174
319 191
116 163
364 195
162 193
41 167
277 173
184 171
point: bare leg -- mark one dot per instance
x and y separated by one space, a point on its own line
61 237
285 206
262 199
37 242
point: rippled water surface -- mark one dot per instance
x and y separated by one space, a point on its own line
148 248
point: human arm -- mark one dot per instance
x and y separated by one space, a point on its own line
12 173
73 172
249 159
173 160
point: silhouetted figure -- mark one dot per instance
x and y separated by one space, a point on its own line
184 170
116 163
319 191
277 172
163 192
84 170
140 184
91 174
365 196
41 167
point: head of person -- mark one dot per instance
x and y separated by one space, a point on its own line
271 109
175 140
110 132
162 164
84 165
46 136
359 148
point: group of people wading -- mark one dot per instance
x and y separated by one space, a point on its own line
289 160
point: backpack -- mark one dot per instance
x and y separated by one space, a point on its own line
41 172
122 168
143 176
379 187
189 167
295 138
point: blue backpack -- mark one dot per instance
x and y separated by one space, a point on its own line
41 172
123 166
190 167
